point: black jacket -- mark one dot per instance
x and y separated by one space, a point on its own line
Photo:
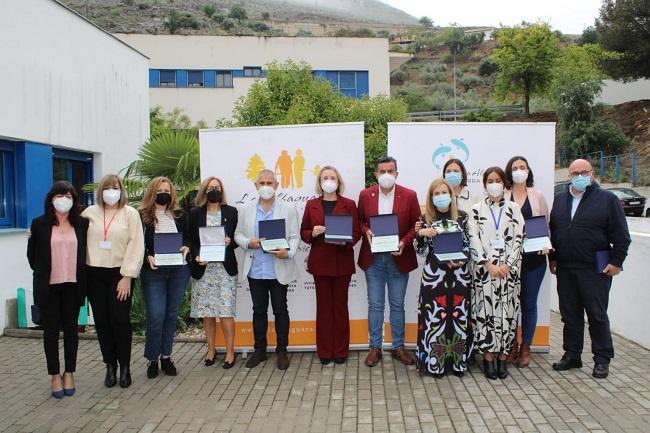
598 224
39 255
229 221
180 218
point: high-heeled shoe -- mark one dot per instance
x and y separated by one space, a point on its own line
502 368
58 394
69 392
209 362
489 369
226 365
111 370
125 376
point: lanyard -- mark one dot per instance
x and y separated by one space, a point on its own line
497 223
106 227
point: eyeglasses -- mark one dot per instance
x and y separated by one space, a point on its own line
214 189
580 173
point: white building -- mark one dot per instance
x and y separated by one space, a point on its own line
206 75
75 105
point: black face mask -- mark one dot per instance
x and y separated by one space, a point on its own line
163 198
214 196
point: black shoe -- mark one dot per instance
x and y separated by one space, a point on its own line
601 371
255 359
567 363
438 375
152 369
325 361
110 380
502 369
227 365
209 362
459 373
340 360
125 377
283 360
489 369
168 366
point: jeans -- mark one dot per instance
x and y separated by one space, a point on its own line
531 281
163 291
61 311
260 291
383 272
580 291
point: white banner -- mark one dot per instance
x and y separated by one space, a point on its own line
296 153
421 150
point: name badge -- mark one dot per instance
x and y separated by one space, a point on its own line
105 245
498 244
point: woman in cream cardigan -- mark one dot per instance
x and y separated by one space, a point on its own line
519 177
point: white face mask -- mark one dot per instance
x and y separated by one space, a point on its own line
62 204
266 192
111 196
494 189
386 180
519 176
329 186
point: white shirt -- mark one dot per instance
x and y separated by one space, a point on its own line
575 202
386 201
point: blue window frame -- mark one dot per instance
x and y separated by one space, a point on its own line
167 78
195 79
76 168
350 83
224 78
252 71
7 201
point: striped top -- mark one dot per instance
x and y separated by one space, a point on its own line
166 223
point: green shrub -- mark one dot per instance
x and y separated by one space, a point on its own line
483 115
227 24
209 10
398 76
487 67
218 17
433 77
581 137
443 88
238 13
259 26
469 82
414 98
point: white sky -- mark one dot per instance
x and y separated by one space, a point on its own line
568 16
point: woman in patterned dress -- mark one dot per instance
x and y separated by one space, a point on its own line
214 287
443 303
496 228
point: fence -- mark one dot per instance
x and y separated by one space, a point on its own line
425 116
615 168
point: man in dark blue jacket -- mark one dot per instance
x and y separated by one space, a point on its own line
586 221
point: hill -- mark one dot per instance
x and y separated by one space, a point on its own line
273 17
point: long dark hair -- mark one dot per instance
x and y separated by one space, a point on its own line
62 187
463 170
530 181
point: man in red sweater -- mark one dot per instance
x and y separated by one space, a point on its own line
391 269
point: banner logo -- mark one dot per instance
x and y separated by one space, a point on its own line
288 169
457 149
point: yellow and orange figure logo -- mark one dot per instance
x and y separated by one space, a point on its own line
289 170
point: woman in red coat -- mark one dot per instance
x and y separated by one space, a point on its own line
331 264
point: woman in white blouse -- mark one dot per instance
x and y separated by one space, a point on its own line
163 286
496 228
455 174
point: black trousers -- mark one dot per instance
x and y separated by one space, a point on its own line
260 291
112 317
580 291
60 312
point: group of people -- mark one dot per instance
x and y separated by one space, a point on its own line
466 305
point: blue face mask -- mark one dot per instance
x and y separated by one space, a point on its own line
454 178
580 183
441 201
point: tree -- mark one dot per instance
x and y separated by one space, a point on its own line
525 56
589 36
209 10
292 95
238 13
255 165
266 16
426 22
624 27
176 21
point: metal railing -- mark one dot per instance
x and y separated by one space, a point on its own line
423 116
614 168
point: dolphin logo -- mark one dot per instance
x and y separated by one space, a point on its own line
444 152
460 145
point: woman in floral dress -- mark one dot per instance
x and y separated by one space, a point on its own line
443 303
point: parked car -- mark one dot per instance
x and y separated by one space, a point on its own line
562 186
632 201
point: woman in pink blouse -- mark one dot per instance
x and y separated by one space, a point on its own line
56 251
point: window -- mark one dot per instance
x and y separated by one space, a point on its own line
252 71
168 78
195 79
224 79
76 168
350 83
6 187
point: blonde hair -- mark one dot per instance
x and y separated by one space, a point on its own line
430 212
341 184
201 198
147 207
106 182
